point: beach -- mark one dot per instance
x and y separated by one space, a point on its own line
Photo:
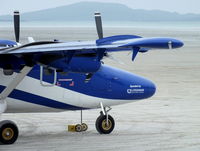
169 121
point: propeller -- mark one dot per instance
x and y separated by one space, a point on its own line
101 52
98 21
17 25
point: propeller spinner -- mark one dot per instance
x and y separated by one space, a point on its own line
17 25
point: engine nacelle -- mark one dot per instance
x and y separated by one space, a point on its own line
7 44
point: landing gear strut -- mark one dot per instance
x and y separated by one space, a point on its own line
8 132
81 127
105 123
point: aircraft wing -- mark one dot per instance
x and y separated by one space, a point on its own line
121 42
56 47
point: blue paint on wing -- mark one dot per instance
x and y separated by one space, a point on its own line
111 39
155 43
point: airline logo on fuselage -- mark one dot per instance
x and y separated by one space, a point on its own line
135 89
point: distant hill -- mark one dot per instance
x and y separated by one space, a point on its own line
83 11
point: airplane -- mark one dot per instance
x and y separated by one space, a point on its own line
48 76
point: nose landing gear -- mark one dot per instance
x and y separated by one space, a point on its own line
105 123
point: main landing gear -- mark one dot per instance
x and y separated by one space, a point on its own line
8 129
8 132
105 123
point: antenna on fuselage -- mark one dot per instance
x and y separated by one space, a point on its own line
16 17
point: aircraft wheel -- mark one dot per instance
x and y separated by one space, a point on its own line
78 128
8 132
102 126
84 127
8 72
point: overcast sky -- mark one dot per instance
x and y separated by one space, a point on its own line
181 6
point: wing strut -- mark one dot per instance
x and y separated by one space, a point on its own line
15 82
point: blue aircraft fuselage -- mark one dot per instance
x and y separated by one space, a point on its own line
107 82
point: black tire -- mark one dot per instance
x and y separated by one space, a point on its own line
84 127
101 126
8 132
8 72
78 128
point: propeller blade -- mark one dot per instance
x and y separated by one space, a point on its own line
98 21
17 25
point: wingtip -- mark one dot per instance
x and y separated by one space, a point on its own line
178 44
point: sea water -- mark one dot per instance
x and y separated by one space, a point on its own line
165 25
